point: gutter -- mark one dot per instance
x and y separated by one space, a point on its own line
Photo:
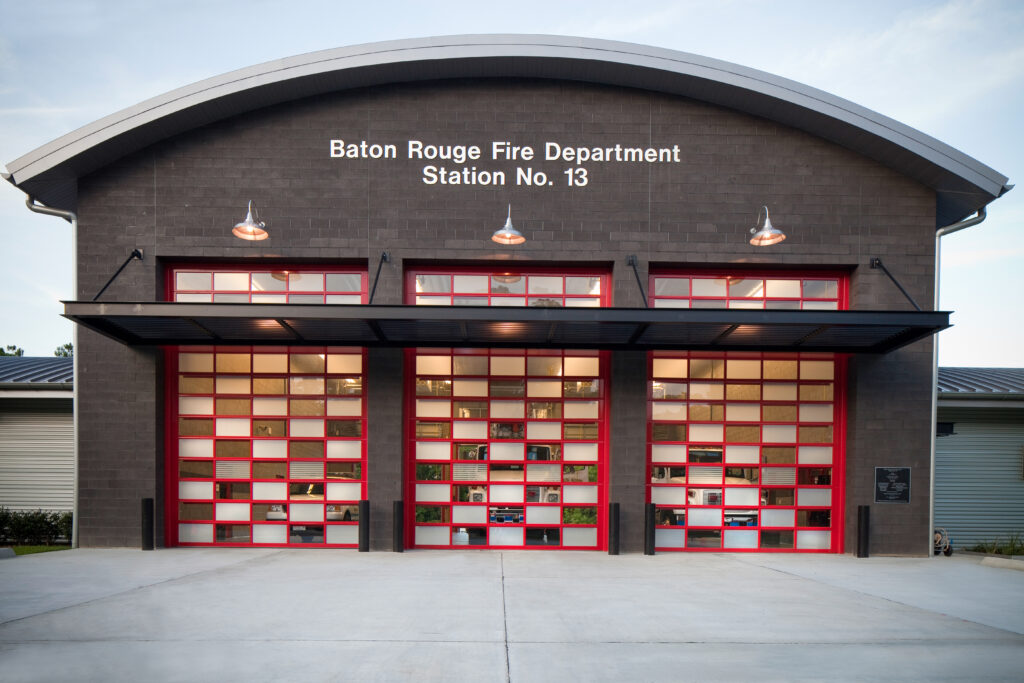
939 234
71 217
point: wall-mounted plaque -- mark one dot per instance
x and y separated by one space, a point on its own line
892 484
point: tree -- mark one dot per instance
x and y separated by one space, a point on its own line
12 350
65 351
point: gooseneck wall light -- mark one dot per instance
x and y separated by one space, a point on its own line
250 229
508 234
767 234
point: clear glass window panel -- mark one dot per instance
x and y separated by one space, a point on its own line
583 285
269 448
782 289
471 284
544 366
707 391
815 455
702 286
575 452
344 282
307 407
269 362
195 362
269 282
428 408
578 366
193 298
508 365
201 281
581 410
508 284
817 369
707 368
820 306
671 286
746 288
815 392
545 302
779 392
469 301
231 282
470 365
469 430
433 283
821 289
231 298
543 389
433 365
782 305
669 367
704 517
810 412
540 284
668 453
813 540
306 385
668 389
783 518
780 369
707 303
743 412
306 363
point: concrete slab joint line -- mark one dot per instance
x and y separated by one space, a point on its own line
504 617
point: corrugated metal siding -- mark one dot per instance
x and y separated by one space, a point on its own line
36 454
979 492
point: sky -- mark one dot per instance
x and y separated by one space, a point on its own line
951 69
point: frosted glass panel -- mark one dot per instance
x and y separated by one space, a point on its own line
469 430
539 388
202 490
813 540
426 408
544 365
743 369
735 496
232 427
433 493
779 392
343 533
270 406
195 533
669 454
501 535
579 494
711 392
664 410
543 430
743 412
269 362
433 365
785 518
581 367
232 512
577 537
740 538
344 491
505 494
668 495
822 497
669 538
816 413
535 514
709 433
669 367
704 517
344 364
427 450
469 387
306 428
815 455
232 385
778 434
344 407
469 514
515 409
195 362
579 451
432 535
269 490
581 409
344 449
817 369
788 289
269 533
507 451
305 512
195 448
195 406
508 365
742 454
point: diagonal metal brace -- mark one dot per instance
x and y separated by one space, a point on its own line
877 263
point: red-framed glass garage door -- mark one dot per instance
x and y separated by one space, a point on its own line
265 446
506 448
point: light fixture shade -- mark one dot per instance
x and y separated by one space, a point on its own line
508 234
250 229
768 234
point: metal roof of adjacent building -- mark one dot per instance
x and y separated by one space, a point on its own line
42 371
962 184
981 382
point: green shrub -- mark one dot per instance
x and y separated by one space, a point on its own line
1011 545
34 527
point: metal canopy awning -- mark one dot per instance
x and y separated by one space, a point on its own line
639 329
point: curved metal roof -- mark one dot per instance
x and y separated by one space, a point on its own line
963 184
17 370
981 382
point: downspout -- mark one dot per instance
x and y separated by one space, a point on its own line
939 234
72 218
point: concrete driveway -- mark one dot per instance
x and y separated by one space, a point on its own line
328 615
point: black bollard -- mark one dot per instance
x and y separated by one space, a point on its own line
613 528
397 528
649 529
863 530
147 523
364 526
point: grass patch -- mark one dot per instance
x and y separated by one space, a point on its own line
1011 545
33 549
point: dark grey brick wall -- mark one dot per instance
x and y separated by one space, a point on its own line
385 441
179 199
